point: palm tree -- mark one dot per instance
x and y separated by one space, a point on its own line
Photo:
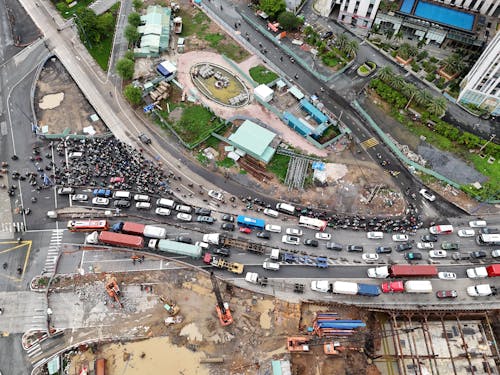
409 91
437 106
399 35
341 41
423 97
385 74
454 64
389 33
351 48
397 82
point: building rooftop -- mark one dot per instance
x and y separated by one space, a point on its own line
155 30
254 139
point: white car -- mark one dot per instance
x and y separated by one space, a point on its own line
447 275
477 224
369 257
184 217
323 236
99 201
80 197
291 240
466 233
437 254
162 211
143 205
495 253
427 195
375 235
273 228
294 232
425 245
400 237
141 198
215 195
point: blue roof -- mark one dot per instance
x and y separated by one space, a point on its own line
296 124
319 116
407 6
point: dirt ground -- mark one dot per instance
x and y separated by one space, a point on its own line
258 334
59 103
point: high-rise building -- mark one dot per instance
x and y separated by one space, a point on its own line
481 86
358 13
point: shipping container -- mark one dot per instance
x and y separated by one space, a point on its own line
133 228
119 239
100 366
152 231
368 290
407 270
418 286
345 287
175 247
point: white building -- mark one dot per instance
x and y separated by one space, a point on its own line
481 86
487 7
359 13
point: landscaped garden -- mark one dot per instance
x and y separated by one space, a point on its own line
262 74
335 54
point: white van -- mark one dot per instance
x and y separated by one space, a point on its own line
75 155
202 244
271 266
273 228
269 212
120 194
143 205
167 203
141 198
284 207
375 235
183 208
477 224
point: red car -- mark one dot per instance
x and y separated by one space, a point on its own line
112 180
245 230
393 287
446 294
207 258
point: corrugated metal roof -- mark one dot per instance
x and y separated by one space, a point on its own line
254 139
319 116
296 124
156 29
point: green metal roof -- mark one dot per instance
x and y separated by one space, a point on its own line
254 139
156 29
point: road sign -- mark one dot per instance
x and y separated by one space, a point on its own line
148 108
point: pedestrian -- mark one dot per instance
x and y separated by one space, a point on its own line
235 25
281 58
296 76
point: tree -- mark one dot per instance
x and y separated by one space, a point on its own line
422 97
341 41
137 4
125 68
385 73
437 106
86 21
389 33
105 24
351 48
397 82
129 55
399 35
409 90
289 21
134 19
454 64
133 94
131 34
272 7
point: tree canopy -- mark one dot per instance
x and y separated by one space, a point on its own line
134 19
131 34
93 28
272 7
289 21
133 94
125 68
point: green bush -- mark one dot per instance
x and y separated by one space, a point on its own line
226 163
415 67
433 59
430 77
387 93
441 82
422 55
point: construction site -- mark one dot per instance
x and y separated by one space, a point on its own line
193 323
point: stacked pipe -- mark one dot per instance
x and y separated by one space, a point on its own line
328 324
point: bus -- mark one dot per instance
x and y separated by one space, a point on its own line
250 222
87 225
488 239
312 223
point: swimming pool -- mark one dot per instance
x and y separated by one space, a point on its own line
407 6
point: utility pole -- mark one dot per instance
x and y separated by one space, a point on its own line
491 138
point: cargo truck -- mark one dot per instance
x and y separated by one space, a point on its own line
254 278
477 273
116 239
132 228
175 247
345 287
322 286
403 270
481 290
368 290
240 243
152 231
493 270
418 286
229 266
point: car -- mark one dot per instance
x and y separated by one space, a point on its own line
356 248
215 195
437 254
383 250
427 195
449 246
446 294
291 240
447 275
489 231
264 234
310 242
425 245
327 35
183 216
80 197
369 257
375 235
65 191
99 201
400 237
495 253
106 193
141 198
121 203
478 254
466 233
184 239
323 236
294 232
477 223
114 180
228 218
441 229
202 211
222 251
273 228
429 238
162 211
145 139
404 246
460 256
413 256
143 205
227 226
334 246
392 287
205 219
245 230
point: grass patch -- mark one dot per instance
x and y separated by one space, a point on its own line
226 163
202 159
279 165
67 12
194 25
212 142
262 75
364 69
330 133
242 171
214 39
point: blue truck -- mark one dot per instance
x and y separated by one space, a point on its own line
368 290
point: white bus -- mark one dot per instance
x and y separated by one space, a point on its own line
488 239
312 223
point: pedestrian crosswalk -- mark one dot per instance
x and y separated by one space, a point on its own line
371 142
34 350
16 226
54 247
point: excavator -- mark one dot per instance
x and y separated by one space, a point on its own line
113 289
222 309
301 344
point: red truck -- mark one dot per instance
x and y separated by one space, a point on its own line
133 228
406 270
493 270
119 239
